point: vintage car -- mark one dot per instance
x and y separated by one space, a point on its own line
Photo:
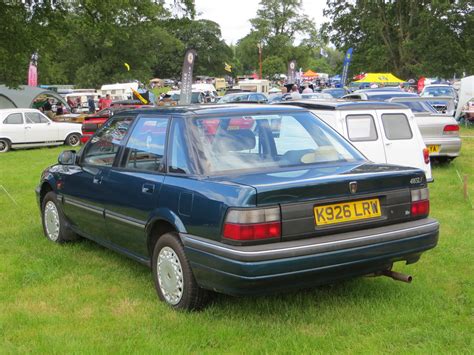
26 128
237 199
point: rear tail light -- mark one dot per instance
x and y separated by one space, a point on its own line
253 224
451 129
426 155
420 202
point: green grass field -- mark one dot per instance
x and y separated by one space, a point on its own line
83 298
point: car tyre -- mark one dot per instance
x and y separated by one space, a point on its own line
55 226
173 277
4 145
74 139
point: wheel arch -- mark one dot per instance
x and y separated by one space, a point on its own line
45 188
162 223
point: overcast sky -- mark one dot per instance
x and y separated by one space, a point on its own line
233 15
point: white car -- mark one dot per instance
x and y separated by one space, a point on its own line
25 128
384 132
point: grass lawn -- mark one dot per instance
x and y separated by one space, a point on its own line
83 298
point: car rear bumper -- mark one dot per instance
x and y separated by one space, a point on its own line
449 147
244 270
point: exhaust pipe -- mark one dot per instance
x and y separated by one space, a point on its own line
397 276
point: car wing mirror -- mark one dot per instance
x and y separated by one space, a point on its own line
67 157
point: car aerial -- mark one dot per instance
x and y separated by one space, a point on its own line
26 128
383 132
94 121
440 132
335 92
244 97
212 204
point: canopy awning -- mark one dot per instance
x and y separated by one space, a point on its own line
310 74
385 78
24 96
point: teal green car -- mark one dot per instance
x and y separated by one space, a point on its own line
240 200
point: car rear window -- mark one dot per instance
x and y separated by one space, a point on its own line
269 141
361 128
396 126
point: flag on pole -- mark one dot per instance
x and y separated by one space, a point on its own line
187 77
227 67
345 66
127 66
33 70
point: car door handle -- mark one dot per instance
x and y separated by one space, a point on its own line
148 188
27 127
387 144
97 180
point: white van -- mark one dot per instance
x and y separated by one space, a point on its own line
119 91
383 132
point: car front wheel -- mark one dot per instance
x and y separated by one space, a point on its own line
174 280
74 139
54 223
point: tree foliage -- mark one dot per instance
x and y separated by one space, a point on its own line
409 38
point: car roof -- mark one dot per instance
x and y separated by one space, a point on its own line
344 105
15 110
216 109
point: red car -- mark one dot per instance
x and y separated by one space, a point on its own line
94 121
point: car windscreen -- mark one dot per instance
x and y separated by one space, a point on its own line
336 93
234 98
418 106
257 142
439 91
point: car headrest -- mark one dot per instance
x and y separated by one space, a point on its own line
235 140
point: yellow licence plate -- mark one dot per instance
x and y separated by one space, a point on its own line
347 211
433 148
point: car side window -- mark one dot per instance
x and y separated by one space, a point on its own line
13 118
396 126
145 148
103 147
179 157
361 128
35 117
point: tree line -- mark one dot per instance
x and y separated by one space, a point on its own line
88 42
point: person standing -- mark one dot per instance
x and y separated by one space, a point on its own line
48 109
107 102
59 109
91 104
295 94
101 103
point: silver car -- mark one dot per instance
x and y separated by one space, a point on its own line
440 132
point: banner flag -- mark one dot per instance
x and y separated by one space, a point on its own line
33 70
227 67
291 72
345 66
187 77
